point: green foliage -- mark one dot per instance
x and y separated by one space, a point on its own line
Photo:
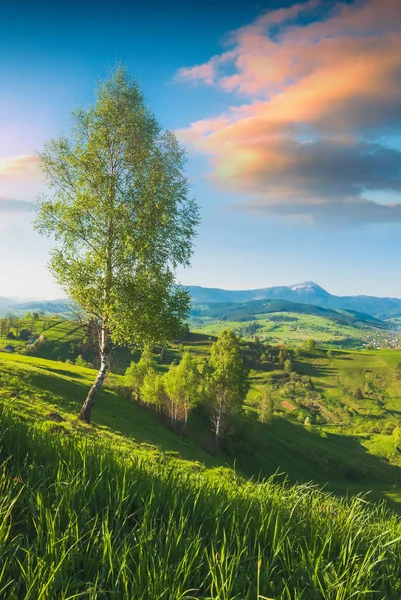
123 220
266 406
282 357
136 372
228 383
80 362
152 390
121 214
182 387
397 438
288 366
310 345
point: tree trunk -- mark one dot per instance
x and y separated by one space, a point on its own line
175 415
218 425
183 428
85 414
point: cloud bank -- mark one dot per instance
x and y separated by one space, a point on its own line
319 126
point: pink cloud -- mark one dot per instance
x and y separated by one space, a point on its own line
332 83
20 167
207 72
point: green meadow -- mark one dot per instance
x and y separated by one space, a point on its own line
347 442
127 508
295 329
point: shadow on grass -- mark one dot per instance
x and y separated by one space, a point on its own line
118 414
65 372
315 370
338 461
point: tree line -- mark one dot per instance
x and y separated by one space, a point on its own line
221 385
13 327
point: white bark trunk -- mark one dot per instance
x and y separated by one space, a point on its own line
85 414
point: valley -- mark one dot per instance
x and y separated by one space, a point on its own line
331 399
308 476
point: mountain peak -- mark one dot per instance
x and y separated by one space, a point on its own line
307 287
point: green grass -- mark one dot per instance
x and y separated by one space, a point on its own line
276 328
125 508
82 518
343 462
37 387
356 455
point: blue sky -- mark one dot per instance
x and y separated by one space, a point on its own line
297 180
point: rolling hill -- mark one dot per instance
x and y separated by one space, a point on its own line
127 508
112 510
245 311
282 321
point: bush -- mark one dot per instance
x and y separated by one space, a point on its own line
80 362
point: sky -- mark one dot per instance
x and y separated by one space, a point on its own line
290 113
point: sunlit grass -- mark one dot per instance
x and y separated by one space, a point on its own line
81 518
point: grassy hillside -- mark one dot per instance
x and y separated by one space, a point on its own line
348 443
62 340
331 455
127 508
111 511
279 321
243 311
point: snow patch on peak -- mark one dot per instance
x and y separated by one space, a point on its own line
307 286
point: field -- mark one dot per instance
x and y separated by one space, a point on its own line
125 508
348 445
295 328
176 507
276 329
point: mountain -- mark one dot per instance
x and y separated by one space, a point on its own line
19 306
302 293
7 302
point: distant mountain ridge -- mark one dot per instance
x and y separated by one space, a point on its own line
307 292
302 293
20 306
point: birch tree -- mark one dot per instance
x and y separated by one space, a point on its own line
152 390
120 211
136 372
228 383
182 386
